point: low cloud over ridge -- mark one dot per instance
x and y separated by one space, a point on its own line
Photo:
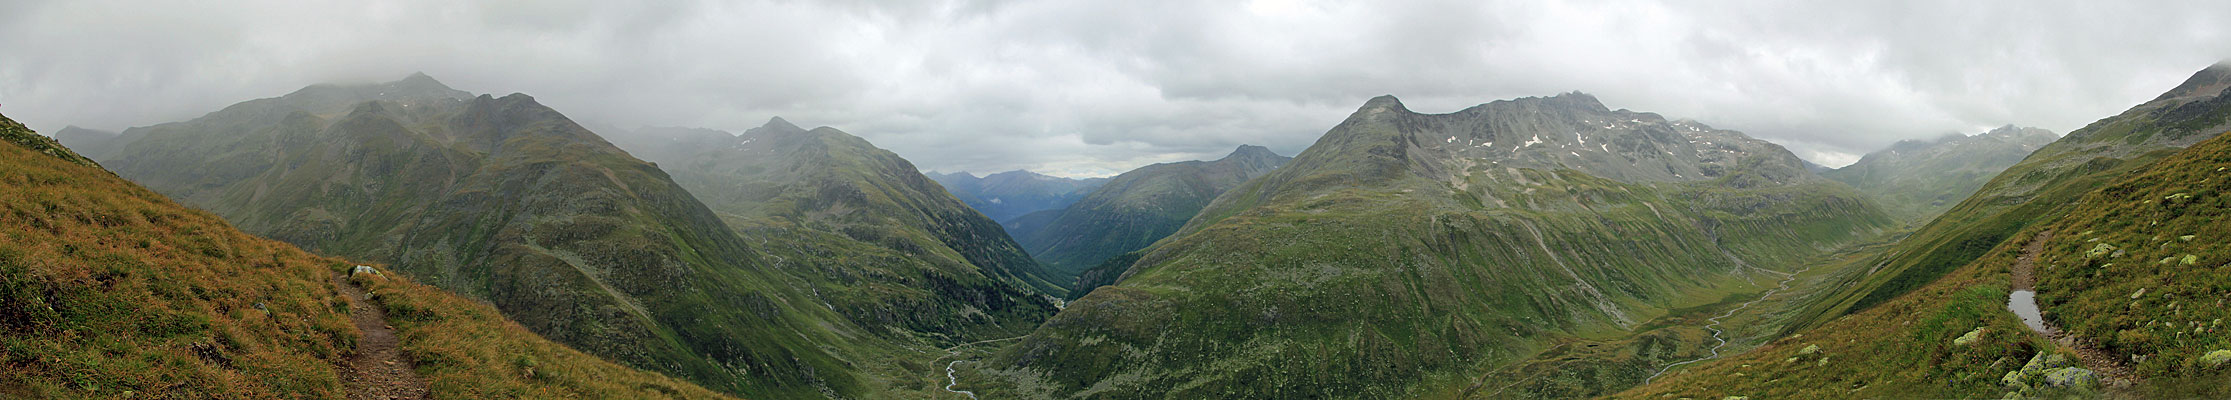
1095 88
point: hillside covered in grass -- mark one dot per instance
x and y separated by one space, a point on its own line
878 242
2097 216
1404 254
2139 267
508 201
109 290
2039 189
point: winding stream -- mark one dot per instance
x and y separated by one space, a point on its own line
1715 325
950 381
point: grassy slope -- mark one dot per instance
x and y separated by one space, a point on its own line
2156 292
1953 270
867 235
878 242
506 200
1901 349
1358 277
110 290
1904 348
2037 189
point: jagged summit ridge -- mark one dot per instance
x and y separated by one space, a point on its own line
1569 130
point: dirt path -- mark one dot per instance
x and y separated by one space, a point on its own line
2025 278
377 370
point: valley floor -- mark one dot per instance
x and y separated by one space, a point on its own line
1589 367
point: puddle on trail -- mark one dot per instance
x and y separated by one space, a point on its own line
2024 304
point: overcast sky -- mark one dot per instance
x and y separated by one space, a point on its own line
1095 88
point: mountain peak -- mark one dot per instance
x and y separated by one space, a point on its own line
2208 82
1251 151
1383 103
775 125
420 77
418 83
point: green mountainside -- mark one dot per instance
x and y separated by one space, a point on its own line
1404 254
508 201
109 290
880 242
1009 195
1916 179
2038 189
1139 207
2112 221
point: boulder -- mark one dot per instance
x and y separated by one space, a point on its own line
1969 338
2043 362
2072 378
2099 250
363 270
2216 358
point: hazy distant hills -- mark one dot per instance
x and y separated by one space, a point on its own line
2118 223
880 242
1136 208
508 201
113 291
1917 179
1010 195
1403 253
88 141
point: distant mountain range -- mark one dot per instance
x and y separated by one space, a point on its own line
1135 209
1918 179
1009 196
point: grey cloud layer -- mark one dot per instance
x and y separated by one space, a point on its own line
1095 88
